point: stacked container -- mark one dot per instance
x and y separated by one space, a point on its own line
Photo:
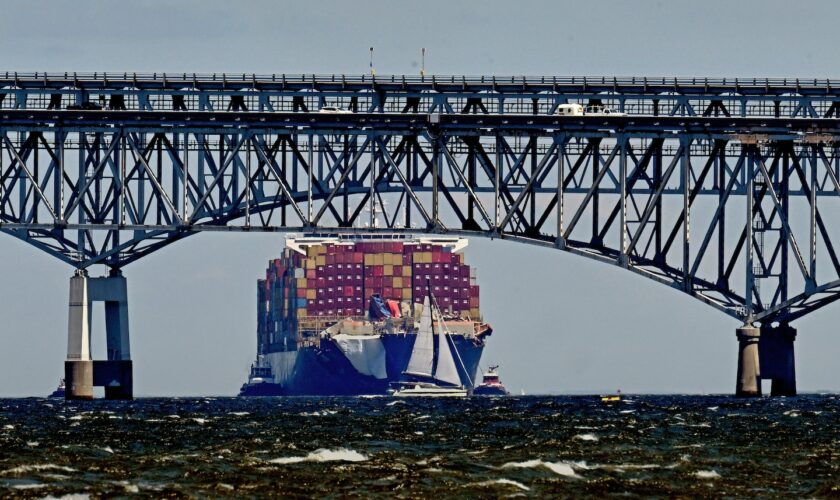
337 278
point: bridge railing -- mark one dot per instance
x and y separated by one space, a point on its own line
525 80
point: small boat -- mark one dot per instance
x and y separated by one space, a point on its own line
59 392
261 381
490 384
431 370
611 398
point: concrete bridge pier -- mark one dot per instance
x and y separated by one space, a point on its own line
81 372
777 358
748 381
766 353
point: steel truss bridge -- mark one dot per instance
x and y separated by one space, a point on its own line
727 190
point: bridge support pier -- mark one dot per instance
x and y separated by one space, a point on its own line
748 381
777 358
766 353
81 372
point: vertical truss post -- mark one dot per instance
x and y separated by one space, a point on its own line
309 180
812 226
496 182
59 182
248 184
561 176
436 161
748 228
622 166
686 182
185 184
785 201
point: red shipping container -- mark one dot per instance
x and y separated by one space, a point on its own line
310 274
348 291
387 292
321 282
474 291
330 259
301 293
379 271
358 258
369 282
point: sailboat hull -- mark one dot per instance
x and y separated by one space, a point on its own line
430 391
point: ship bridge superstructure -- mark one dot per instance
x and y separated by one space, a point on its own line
723 189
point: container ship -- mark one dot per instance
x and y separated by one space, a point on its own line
338 314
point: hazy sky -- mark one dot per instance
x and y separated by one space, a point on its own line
563 323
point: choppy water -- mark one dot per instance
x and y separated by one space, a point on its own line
531 446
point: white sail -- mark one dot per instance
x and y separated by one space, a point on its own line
422 354
446 371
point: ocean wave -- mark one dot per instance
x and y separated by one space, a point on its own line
23 469
560 468
502 481
586 437
324 455
707 474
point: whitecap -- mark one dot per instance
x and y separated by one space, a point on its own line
502 481
707 474
398 402
23 469
32 444
324 455
29 486
108 449
9 426
239 413
586 437
559 468
627 411
422 417
200 420
713 408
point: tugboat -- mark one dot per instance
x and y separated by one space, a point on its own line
260 382
59 392
491 385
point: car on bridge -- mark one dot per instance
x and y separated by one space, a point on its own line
591 110
334 110
86 105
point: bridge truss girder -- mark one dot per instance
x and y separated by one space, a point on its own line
161 92
739 222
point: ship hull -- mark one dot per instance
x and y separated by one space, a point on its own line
326 370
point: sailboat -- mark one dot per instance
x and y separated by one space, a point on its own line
431 370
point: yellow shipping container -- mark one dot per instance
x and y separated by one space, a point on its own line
460 258
310 294
379 259
301 282
369 259
301 312
311 251
406 293
387 259
321 260
388 270
397 282
474 313
309 263
425 257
